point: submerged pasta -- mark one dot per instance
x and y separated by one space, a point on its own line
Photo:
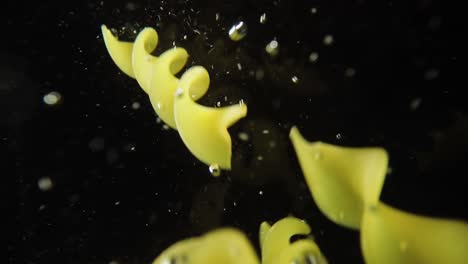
203 129
231 246
389 235
343 181
277 248
346 184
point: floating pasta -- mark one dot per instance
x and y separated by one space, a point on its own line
202 129
225 245
343 181
346 184
389 235
277 248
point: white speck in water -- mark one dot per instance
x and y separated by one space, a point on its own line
241 102
45 184
328 40
158 120
350 72
263 18
295 79
313 10
313 57
238 31
217 16
260 157
52 98
260 192
215 170
338 136
136 105
415 103
234 203
272 48
243 136
265 131
218 104
431 74
165 127
117 203
239 66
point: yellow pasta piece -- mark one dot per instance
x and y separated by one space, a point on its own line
276 246
120 51
342 180
222 246
389 235
154 74
204 129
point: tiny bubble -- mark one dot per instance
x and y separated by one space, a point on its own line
295 79
313 57
328 40
52 98
238 31
45 184
263 18
215 170
272 48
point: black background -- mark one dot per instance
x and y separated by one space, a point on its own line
124 188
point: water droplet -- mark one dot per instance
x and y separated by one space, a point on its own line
263 18
215 170
313 57
272 48
295 79
328 40
52 98
243 136
136 105
45 184
238 31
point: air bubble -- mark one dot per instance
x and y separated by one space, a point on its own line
272 48
215 170
313 57
238 31
45 184
136 105
243 136
52 98
328 40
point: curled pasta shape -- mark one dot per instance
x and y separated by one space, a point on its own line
224 245
343 181
276 246
202 129
389 235
196 122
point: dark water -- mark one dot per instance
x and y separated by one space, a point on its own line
124 188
